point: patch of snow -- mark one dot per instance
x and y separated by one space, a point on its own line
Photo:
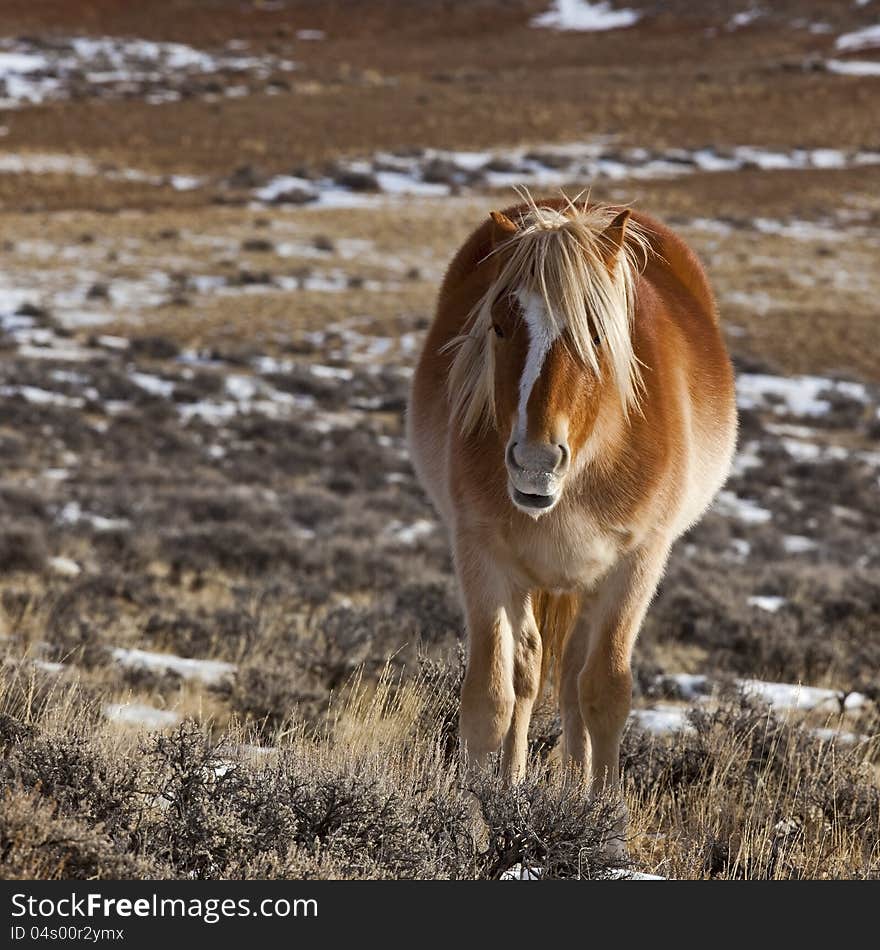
140 714
711 225
662 719
796 395
688 686
113 342
64 567
48 666
397 183
73 514
744 18
867 38
792 696
241 388
787 429
798 544
154 385
853 67
796 229
746 458
412 533
582 16
622 874
32 72
207 671
520 873
310 35
37 163
767 602
744 509
42 397
828 734
330 372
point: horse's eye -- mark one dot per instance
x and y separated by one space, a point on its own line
597 340
498 331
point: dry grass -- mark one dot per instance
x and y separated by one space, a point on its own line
372 792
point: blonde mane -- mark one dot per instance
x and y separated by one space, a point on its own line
561 256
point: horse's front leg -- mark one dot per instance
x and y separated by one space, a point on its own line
604 684
504 662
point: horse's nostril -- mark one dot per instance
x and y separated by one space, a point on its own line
564 455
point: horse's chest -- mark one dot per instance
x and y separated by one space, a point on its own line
555 559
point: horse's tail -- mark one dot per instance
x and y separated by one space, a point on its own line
555 615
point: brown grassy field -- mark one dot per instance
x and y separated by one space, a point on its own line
230 636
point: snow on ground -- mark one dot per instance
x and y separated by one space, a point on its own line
32 71
439 173
622 874
688 686
410 533
50 163
668 719
836 735
867 38
42 397
798 544
853 67
743 509
64 567
662 719
140 714
795 395
744 18
795 696
582 16
766 602
436 173
207 671
72 513
247 394
520 873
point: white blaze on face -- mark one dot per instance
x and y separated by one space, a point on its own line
541 338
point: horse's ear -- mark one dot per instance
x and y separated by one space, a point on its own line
613 237
501 228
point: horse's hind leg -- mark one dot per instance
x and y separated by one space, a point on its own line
575 738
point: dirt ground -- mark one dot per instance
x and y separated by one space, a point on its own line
216 566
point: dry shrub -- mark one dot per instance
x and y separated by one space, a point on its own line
38 843
750 795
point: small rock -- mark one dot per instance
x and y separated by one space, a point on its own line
294 196
441 171
258 246
321 242
246 278
32 310
356 180
98 292
245 176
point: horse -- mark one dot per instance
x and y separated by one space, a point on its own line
571 414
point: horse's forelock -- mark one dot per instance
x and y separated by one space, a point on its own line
588 290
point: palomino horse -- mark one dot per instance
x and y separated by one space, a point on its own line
571 415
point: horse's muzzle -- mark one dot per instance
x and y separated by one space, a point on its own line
536 472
